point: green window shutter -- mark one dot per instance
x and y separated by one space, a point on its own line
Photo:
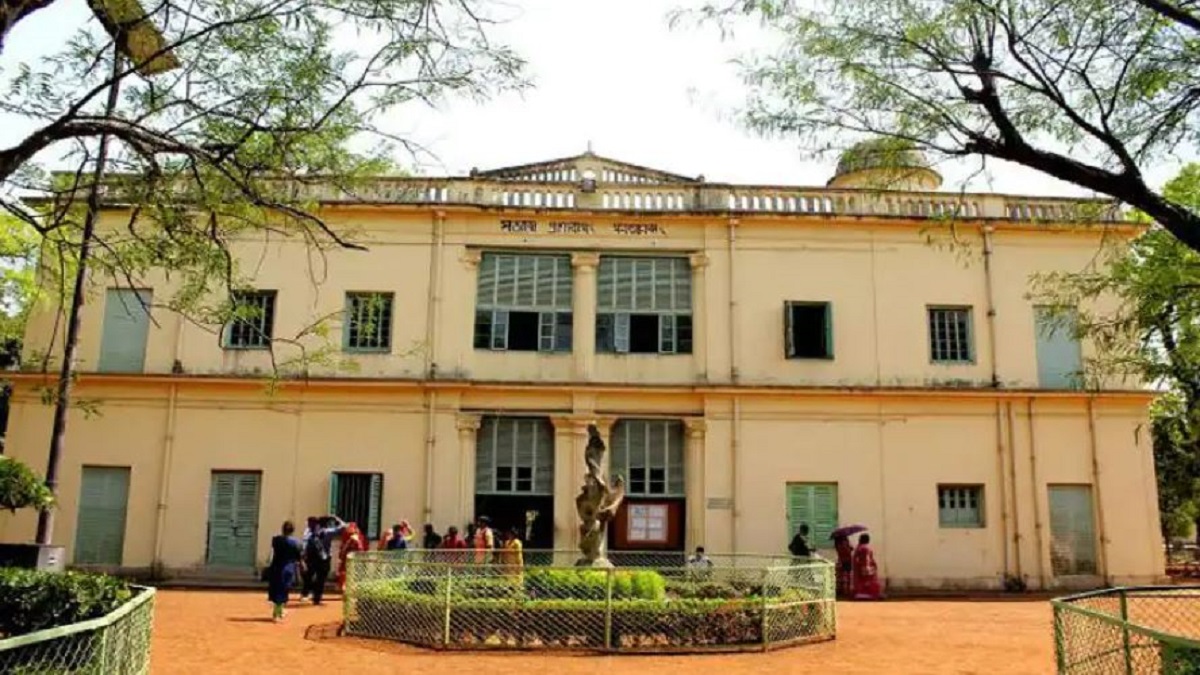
789 334
666 333
103 505
621 333
233 519
376 506
126 327
334 495
1072 531
816 505
500 329
1060 362
485 456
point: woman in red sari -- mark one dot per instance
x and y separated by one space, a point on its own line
352 542
866 573
845 565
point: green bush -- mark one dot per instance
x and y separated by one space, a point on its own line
21 488
31 600
593 584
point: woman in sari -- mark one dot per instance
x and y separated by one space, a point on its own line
866 573
845 565
352 542
512 556
281 573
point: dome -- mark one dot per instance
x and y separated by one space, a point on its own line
885 163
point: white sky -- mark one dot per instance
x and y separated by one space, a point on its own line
612 73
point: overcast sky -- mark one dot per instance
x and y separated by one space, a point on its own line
611 73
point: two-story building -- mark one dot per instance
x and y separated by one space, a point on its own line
757 357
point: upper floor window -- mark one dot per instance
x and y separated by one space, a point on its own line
649 454
808 330
368 326
515 455
950 335
644 305
253 321
524 302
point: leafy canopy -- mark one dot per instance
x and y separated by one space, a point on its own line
1088 91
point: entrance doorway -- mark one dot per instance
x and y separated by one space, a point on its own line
233 518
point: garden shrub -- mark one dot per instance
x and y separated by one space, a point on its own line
32 600
593 584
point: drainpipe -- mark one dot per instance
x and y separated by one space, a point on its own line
735 442
430 447
991 302
733 305
1012 480
164 483
1091 416
1039 542
433 310
1003 484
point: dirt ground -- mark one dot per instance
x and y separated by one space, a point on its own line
230 632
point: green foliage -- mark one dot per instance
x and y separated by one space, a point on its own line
593 584
1089 91
32 600
21 488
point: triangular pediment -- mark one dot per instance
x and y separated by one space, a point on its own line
573 169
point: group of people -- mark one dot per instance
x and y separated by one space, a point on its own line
310 558
857 573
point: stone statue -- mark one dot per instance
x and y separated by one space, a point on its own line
597 503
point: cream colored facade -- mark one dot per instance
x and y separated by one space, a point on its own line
879 419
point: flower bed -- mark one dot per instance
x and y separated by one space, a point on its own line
481 606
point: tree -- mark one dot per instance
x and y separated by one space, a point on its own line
1140 307
212 123
21 488
1088 91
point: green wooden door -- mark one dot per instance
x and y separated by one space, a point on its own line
100 527
126 323
815 504
1072 530
233 519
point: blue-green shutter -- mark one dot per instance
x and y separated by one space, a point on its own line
126 325
815 504
1058 355
233 519
375 507
100 527
1072 531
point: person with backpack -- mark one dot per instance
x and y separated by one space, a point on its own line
317 552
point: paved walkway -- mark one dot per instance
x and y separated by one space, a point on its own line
229 632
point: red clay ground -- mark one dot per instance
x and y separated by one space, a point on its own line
230 632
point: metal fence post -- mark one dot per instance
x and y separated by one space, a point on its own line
1060 648
763 624
608 610
446 621
1125 631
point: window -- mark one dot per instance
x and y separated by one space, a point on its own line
357 498
649 454
647 523
253 320
1060 363
368 326
808 330
960 505
815 505
950 335
1072 530
644 306
524 303
515 455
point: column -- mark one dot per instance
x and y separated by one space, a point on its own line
565 526
468 435
699 263
583 312
694 484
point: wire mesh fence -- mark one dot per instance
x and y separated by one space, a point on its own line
647 602
115 644
1123 631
